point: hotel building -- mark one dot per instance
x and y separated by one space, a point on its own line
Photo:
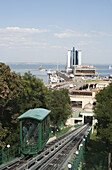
74 65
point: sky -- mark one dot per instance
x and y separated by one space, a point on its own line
43 31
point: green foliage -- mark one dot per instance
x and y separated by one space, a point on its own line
96 154
103 113
10 91
21 93
63 131
13 136
34 92
3 134
58 102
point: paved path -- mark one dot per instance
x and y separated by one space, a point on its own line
51 139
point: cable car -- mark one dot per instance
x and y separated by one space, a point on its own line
34 130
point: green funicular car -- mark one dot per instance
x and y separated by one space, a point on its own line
34 130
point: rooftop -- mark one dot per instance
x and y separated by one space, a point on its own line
81 91
38 114
76 114
84 67
79 113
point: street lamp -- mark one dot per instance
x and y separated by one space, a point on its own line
8 146
81 144
77 159
69 166
77 152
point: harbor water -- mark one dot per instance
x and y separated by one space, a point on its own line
34 69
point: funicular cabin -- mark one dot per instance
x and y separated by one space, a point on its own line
34 130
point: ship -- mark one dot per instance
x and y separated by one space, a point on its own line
110 67
41 69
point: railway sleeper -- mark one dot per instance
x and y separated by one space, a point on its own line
55 148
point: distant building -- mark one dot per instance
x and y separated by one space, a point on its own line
84 71
79 98
69 59
82 107
83 102
73 58
79 56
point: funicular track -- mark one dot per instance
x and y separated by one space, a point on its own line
57 162
20 161
48 145
54 153
55 156
15 163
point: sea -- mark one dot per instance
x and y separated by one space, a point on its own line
34 69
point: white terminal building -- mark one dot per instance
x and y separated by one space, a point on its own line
74 65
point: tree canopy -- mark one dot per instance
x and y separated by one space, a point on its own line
103 113
3 134
10 91
58 101
21 93
34 92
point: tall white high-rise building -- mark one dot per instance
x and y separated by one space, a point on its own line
73 58
75 67
69 59
79 57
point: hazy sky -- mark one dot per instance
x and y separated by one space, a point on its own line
44 30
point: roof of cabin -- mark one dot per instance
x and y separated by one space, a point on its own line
38 114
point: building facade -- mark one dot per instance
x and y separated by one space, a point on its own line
84 70
73 58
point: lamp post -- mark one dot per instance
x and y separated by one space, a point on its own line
77 158
77 152
69 165
80 145
81 154
8 146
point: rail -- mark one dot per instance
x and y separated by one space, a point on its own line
50 150
39 161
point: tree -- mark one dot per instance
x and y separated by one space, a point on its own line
103 113
10 92
34 92
3 134
17 95
58 102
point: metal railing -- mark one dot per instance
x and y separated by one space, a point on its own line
9 154
77 162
